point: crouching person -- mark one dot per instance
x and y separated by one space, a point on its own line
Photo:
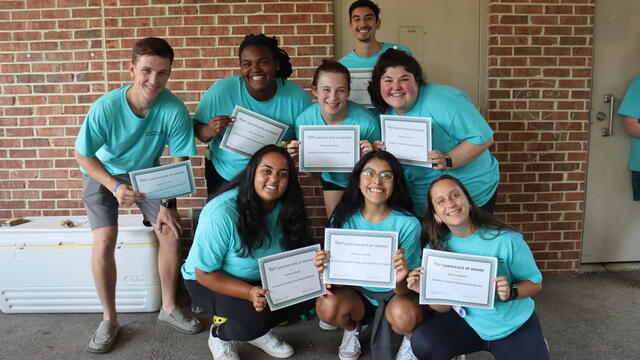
260 213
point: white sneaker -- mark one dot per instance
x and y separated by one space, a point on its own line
222 350
350 347
405 352
272 345
326 326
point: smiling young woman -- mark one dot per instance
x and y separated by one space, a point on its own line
259 213
262 87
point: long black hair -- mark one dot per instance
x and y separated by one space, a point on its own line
353 200
436 234
293 218
284 69
391 58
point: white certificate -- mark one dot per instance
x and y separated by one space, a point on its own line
360 79
331 148
291 277
164 182
250 131
458 279
360 258
408 138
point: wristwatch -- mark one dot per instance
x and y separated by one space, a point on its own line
171 204
514 292
448 162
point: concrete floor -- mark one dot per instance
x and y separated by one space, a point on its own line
584 316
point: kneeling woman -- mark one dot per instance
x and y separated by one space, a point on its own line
376 198
261 213
511 330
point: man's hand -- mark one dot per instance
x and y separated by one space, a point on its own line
170 218
126 196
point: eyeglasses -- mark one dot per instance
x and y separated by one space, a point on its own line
385 176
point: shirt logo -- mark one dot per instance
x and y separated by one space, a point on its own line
154 133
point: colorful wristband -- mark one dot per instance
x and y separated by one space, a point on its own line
115 188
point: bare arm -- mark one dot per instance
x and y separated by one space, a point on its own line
217 124
632 126
462 154
526 288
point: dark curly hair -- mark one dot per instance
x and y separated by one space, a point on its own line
436 234
282 58
293 218
391 58
352 200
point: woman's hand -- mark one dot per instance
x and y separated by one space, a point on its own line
256 296
293 147
503 288
437 159
400 266
413 279
321 260
379 145
216 125
365 147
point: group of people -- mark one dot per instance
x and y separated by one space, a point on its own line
256 206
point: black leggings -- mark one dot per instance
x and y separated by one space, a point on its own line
214 180
243 323
444 336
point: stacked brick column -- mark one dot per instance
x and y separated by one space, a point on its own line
539 91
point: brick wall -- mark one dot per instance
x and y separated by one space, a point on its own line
539 91
58 56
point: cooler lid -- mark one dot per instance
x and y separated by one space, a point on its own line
36 230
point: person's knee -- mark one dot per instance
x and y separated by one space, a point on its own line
104 241
403 317
167 237
327 309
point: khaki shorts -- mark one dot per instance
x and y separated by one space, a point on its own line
102 205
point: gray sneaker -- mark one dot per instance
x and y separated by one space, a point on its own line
104 338
180 322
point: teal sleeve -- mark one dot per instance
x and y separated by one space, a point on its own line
630 105
410 242
92 134
213 239
181 136
468 124
522 264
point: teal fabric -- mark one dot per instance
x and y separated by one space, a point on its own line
353 61
216 241
630 106
123 142
516 262
357 115
408 229
222 97
454 119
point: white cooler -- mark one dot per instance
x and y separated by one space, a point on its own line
46 268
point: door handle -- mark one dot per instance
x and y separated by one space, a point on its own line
611 100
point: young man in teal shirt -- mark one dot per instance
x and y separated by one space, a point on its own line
127 129
364 21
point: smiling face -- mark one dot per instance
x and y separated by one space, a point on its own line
150 74
364 24
451 206
399 89
258 68
332 92
376 182
271 179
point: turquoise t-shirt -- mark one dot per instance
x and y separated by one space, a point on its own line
630 106
216 241
222 97
353 61
516 262
454 119
357 115
408 229
123 142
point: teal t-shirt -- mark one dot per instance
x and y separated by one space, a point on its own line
353 61
123 142
516 262
408 229
454 119
222 97
216 241
357 115
630 106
